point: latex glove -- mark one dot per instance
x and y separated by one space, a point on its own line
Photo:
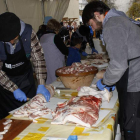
19 95
110 88
94 50
91 31
84 54
101 86
42 90
72 137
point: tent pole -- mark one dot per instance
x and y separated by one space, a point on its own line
43 12
5 1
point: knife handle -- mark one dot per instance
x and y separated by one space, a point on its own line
28 99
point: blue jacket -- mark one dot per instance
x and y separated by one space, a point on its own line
74 56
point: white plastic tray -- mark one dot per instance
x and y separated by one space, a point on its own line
100 66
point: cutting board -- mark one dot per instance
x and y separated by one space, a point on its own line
66 94
53 104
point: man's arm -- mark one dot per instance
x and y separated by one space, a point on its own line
5 82
37 57
60 45
116 45
90 40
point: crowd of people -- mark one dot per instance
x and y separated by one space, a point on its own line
24 52
62 49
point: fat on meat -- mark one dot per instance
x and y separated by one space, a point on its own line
104 94
80 110
34 109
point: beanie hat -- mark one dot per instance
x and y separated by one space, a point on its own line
9 26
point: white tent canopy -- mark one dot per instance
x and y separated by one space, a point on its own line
34 11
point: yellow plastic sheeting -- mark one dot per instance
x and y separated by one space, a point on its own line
43 128
33 136
104 131
79 131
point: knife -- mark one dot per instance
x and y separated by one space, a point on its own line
62 88
28 99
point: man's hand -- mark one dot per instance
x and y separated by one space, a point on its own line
94 50
42 90
101 86
84 54
20 95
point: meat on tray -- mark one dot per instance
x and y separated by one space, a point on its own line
34 108
98 61
76 68
96 56
80 110
104 94
94 61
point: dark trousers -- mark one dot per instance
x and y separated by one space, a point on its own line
7 100
132 116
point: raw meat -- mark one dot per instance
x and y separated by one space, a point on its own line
105 94
36 107
94 61
7 125
80 110
76 68
50 89
33 109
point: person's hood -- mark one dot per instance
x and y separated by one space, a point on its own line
114 13
22 27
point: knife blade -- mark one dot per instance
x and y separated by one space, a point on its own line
62 88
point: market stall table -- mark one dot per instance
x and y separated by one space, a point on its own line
43 129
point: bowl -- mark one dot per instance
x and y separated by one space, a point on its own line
73 81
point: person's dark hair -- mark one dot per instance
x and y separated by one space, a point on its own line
41 31
64 33
61 23
54 25
84 30
91 7
42 27
76 39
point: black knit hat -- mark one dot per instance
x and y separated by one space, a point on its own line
9 26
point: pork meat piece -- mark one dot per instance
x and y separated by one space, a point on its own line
82 110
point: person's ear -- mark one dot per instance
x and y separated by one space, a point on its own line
97 16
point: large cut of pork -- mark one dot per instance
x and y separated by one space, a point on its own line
82 110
